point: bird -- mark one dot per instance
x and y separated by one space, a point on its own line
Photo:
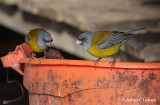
102 44
39 40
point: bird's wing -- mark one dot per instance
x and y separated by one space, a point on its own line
115 38
100 37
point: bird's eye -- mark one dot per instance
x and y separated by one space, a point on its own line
45 41
83 39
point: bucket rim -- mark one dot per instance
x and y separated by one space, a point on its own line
101 64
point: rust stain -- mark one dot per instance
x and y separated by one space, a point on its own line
78 95
103 83
127 76
74 96
152 76
44 86
142 73
145 83
100 102
77 82
144 86
75 85
65 84
53 79
111 98
35 82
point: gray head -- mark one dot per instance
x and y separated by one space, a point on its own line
85 39
44 40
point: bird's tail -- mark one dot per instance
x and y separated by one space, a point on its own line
135 31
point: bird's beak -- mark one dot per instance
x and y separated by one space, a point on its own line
77 42
50 44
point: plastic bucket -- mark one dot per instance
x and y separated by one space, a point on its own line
78 82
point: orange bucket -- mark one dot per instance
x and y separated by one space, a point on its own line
78 82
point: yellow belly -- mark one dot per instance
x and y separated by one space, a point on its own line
34 46
103 53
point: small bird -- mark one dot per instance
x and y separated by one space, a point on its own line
103 44
39 40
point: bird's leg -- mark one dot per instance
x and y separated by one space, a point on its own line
45 54
96 61
114 60
40 59
32 56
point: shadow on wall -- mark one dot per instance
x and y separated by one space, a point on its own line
47 23
151 2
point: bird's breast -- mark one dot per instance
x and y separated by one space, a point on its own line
103 53
34 46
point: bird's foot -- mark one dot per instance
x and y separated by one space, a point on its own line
96 61
40 59
114 60
32 57
112 64
30 60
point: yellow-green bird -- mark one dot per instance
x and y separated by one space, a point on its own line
103 44
39 40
